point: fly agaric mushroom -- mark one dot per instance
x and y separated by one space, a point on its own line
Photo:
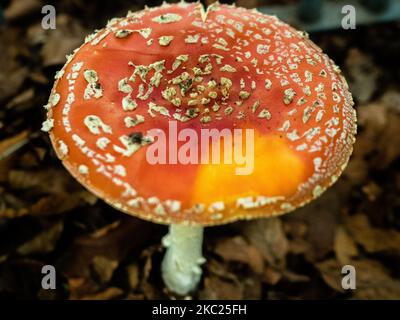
182 67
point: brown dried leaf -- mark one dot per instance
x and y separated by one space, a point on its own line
320 217
373 240
271 276
79 287
148 254
106 229
22 98
389 142
8 213
372 190
20 9
152 292
51 205
236 249
12 74
61 202
135 296
330 271
219 269
268 237
380 134
375 282
11 144
129 235
294 277
108 294
362 75
300 246
391 99
218 289
252 288
133 275
344 246
104 268
44 242
71 33
357 170
49 180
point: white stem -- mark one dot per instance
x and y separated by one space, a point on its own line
181 269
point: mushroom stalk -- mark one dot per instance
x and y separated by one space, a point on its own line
181 269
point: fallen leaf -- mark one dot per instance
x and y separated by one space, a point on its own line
104 268
72 35
220 270
12 74
391 98
49 180
345 247
373 240
106 229
217 289
79 287
294 277
108 294
61 202
330 271
379 136
252 288
372 190
44 242
236 249
320 217
375 282
271 276
20 9
11 144
51 205
22 98
362 74
133 275
268 237
21 278
116 244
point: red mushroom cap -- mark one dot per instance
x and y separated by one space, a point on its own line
179 67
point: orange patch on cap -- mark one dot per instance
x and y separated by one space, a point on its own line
277 171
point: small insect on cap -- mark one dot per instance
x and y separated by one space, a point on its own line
134 87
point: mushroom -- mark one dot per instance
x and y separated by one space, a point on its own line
133 87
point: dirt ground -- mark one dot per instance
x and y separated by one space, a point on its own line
46 217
